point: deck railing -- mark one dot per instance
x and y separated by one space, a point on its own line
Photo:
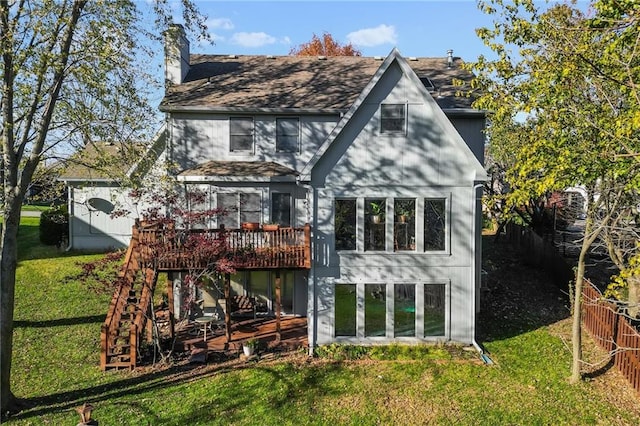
168 248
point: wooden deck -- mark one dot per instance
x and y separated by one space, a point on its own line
293 335
170 249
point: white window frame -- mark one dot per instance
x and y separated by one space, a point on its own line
232 134
385 118
279 134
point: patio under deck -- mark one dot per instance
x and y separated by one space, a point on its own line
293 335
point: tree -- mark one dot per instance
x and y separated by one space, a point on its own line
573 78
70 74
325 46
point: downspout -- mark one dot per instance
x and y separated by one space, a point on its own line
483 356
70 212
313 330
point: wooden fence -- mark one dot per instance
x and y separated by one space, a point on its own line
613 332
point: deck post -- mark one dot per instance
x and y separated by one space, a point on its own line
227 298
278 305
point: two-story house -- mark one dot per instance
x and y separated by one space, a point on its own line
378 155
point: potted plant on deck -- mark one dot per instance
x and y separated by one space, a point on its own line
249 346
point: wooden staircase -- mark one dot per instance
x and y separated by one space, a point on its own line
129 310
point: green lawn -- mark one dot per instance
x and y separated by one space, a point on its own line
55 368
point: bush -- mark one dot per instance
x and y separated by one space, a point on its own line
54 226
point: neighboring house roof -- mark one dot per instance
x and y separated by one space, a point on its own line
331 84
237 170
111 161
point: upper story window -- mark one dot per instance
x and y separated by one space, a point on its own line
240 207
435 224
240 134
392 118
345 224
288 134
281 208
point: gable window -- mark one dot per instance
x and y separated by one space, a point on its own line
240 134
281 208
288 134
345 225
434 224
392 118
240 207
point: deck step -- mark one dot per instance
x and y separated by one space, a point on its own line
118 365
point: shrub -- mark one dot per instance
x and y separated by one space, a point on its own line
54 226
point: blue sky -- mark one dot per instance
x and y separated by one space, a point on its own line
416 28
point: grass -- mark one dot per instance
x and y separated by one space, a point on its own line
55 368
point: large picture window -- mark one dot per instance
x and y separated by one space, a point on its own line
241 134
345 225
374 224
434 310
404 226
345 314
288 134
375 310
434 224
404 310
392 118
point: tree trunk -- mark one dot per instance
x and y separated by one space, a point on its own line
634 297
8 264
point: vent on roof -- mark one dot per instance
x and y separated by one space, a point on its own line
322 58
233 56
270 57
428 84
413 58
378 58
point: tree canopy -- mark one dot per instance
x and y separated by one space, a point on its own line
325 46
71 71
563 101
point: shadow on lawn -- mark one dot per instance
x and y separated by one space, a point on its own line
60 322
517 298
230 403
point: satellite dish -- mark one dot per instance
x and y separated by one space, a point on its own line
100 204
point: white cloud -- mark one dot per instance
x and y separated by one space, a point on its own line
252 39
285 40
220 23
368 37
217 38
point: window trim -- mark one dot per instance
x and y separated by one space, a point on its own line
298 136
383 119
253 135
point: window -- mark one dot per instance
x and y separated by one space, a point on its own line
374 224
287 134
198 199
392 118
404 310
345 315
240 134
404 226
434 310
434 224
345 225
281 208
242 207
375 310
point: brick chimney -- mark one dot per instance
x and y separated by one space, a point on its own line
176 55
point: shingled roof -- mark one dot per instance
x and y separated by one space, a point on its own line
299 82
102 161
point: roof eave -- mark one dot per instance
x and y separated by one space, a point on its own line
252 110
251 179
